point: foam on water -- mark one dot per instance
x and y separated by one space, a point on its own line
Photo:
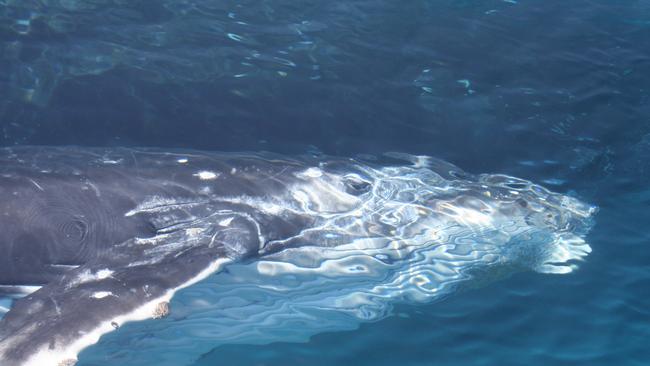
382 236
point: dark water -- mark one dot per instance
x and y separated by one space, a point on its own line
553 91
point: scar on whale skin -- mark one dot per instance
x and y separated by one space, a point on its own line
162 310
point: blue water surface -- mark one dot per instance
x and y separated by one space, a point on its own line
553 91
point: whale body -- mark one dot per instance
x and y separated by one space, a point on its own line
93 238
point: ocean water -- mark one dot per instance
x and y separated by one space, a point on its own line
555 92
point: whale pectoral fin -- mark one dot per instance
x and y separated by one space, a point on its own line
60 314
129 283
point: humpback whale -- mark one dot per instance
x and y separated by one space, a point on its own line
94 238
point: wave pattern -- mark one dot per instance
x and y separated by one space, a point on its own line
397 234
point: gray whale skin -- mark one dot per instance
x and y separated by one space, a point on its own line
95 237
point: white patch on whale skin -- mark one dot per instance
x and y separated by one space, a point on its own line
226 222
152 240
158 204
206 175
103 273
47 356
194 231
89 276
101 294
310 173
